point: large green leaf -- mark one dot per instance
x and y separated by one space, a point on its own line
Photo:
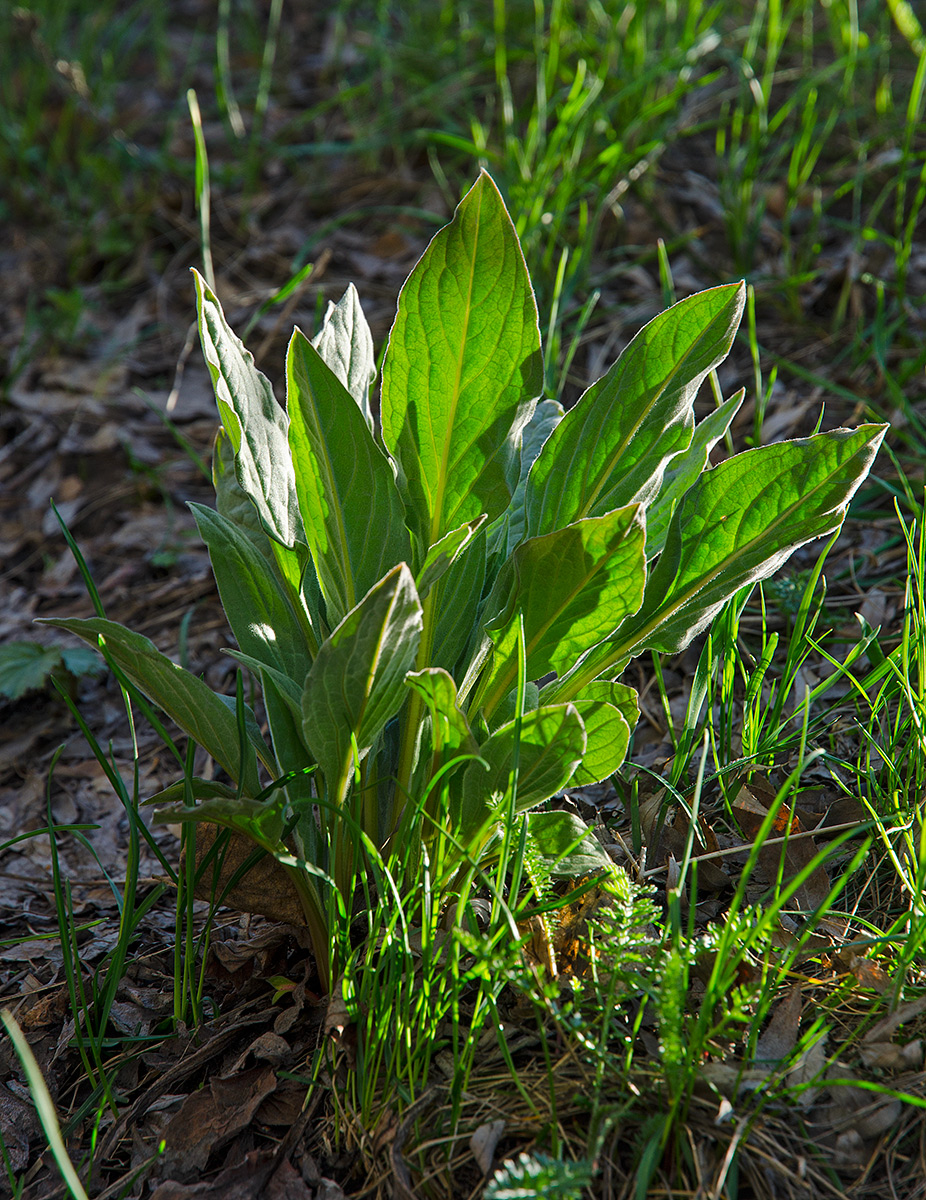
573 586
549 743
258 610
346 344
463 369
357 682
254 421
613 446
736 525
185 698
351 508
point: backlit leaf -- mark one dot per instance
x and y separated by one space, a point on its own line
612 448
351 508
566 844
573 586
463 369
739 523
346 344
550 745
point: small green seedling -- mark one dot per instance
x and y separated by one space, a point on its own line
439 599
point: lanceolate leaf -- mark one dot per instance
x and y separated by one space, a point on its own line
463 369
357 682
185 698
254 421
684 469
551 742
739 523
574 587
444 554
233 502
258 610
346 344
350 504
547 415
612 448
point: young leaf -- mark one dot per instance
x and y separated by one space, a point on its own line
566 844
684 469
612 448
443 554
573 586
254 421
609 711
293 563
463 369
451 736
550 744
257 608
346 344
351 509
450 730
25 666
194 706
357 682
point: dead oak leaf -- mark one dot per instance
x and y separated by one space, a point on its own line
211 1117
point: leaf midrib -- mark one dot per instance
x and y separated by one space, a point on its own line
443 456
619 449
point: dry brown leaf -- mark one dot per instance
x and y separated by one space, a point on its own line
779 1038
211 1117
266 889
888 1056
788 850
884 1030
483 1143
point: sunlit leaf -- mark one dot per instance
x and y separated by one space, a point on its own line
611 449
253 420
573 587
463 369
346 344
548 747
